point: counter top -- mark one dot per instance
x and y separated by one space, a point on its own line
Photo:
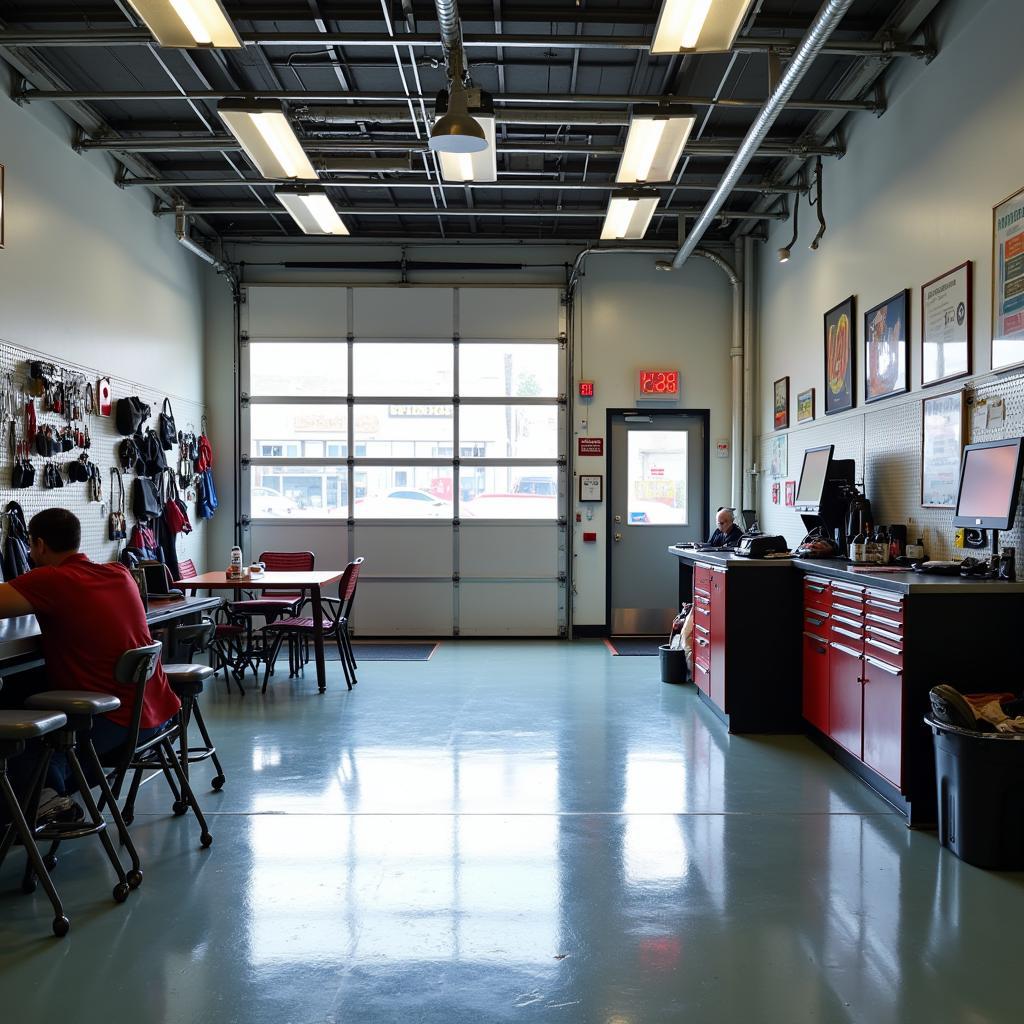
908 582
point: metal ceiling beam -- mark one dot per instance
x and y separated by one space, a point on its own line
312 96
595 213
538 41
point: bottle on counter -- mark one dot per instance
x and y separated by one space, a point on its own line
235 564
915 552
857 547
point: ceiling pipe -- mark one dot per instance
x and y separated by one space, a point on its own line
826 20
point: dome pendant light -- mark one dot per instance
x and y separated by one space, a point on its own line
457 132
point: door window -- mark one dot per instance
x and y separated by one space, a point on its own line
656 478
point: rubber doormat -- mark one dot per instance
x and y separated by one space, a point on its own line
386 652
634 646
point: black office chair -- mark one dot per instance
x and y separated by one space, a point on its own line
154 754
16 729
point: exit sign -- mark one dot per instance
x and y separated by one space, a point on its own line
586 389
657 385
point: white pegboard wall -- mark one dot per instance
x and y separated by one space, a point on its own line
103 452
885 442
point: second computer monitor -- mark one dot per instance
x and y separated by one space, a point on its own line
989 484
813 475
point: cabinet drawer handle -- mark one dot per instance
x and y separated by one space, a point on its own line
882 665
884 647
845 650
818 640
848 622
701 642
891 623
847 608
845 589
846 632
884 632
700 667
814 587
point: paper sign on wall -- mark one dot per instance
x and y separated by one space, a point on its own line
590 446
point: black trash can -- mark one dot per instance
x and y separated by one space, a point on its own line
673 665
980 779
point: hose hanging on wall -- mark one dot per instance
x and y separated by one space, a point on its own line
784 252
815 201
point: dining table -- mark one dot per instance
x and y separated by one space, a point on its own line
310 583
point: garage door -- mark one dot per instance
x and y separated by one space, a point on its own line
423 429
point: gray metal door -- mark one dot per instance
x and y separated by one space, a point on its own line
657 499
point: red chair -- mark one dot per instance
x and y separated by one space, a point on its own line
299 630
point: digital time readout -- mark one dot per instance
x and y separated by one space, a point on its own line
659 382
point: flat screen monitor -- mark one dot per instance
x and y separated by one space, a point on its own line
989 484
813 474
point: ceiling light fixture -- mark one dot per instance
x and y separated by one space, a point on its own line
265 133
481 165
456 132
312 210
698 26
628 215
653 147
187 24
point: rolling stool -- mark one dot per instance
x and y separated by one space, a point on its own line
16 727
75 741
187 680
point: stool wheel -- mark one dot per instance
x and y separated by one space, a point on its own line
121 891
135 879
179 807
61 926
205 839
50 860
217 781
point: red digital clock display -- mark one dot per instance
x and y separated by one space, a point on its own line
586 389
659 382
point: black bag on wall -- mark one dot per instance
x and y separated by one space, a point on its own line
145 499
130 414
168 431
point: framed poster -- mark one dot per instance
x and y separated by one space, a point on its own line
791 492
775 494
942 441
591 487
781 403
946 325
1008 282
840 349
779 455
886 348
805 406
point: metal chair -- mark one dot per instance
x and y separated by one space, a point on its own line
187 681
16 729
136 667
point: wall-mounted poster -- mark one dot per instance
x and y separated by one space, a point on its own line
840 346
946 325
779 456
775 494
791 492
805 406
885 348
1008 282
781 404
942 441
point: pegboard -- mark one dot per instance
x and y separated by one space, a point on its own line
885 442
105 439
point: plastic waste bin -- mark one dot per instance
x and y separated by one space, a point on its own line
980 779
673 665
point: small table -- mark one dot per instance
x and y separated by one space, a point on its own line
310 582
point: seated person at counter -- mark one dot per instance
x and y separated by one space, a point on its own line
726 531
89 615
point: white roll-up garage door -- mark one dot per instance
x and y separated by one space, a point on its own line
423 429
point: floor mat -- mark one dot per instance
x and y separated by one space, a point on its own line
386 651
634 646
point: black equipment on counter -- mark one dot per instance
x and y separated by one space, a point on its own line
757 545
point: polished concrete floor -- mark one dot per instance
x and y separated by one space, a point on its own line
517 832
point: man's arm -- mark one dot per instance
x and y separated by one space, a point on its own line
12 603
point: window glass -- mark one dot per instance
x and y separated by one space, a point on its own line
403 492
519 371
510 431
404 430
294 492
298 368
296 431
508 492
402 368
656 477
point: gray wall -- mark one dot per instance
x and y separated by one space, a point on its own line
912 198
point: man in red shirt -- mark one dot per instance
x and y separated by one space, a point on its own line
89 615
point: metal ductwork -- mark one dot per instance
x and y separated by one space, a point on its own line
826 21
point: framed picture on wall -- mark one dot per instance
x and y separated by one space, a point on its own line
840 349
781 403
790 492
591 487
886 348
1008 282
942 441
805 406
779 456
946 325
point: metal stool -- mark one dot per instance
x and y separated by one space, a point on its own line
187 681
16 728
74 740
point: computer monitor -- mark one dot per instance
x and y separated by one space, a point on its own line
749 518
813 475
989 484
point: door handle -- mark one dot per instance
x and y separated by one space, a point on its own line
617 538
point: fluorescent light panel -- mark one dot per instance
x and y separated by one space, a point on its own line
653 147
313 211
698 26
186 24
482 166
268 139
628 216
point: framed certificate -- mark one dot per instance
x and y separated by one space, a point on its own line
942 441
946 325
591 487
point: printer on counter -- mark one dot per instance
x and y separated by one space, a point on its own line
754 544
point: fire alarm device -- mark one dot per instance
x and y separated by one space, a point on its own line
586 389
657 385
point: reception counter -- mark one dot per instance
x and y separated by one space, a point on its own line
853 657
